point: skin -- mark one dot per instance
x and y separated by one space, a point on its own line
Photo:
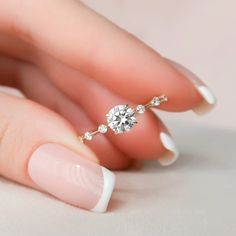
66 62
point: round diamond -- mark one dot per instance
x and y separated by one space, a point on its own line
88 136
102 129
140 109
156 101
121 118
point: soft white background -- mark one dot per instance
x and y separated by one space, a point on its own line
194 197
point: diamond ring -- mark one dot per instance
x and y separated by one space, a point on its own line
122 118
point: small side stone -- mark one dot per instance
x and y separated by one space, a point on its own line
88 136
140 109
102 129
155 101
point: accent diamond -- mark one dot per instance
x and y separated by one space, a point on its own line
102 129
121 118
155 101
88 136
140 109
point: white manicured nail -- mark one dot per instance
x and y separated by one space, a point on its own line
172 152
209 100
108 186
11 91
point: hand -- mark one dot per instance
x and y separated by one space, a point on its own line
73 66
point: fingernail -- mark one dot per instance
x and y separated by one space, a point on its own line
209 100
71 177
11 91
172 153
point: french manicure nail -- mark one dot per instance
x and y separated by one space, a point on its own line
172 153
71 177
11 91
209 100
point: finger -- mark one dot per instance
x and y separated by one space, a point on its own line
35 85
97 100
7 71
103 51
41 150
15 47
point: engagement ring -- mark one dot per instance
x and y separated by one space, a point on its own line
122 118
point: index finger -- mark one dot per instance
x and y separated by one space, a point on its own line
84 40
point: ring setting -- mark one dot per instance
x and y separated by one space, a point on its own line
122 118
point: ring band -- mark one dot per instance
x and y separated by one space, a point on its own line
122 118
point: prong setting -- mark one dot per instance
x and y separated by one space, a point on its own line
122 118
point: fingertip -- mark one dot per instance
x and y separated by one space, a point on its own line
171 154
208 99
71 177
208 103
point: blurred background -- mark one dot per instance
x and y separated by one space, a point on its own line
199 34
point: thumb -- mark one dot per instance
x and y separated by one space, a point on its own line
38 148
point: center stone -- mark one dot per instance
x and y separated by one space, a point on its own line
121 118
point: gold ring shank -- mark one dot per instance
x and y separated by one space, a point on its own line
122 118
